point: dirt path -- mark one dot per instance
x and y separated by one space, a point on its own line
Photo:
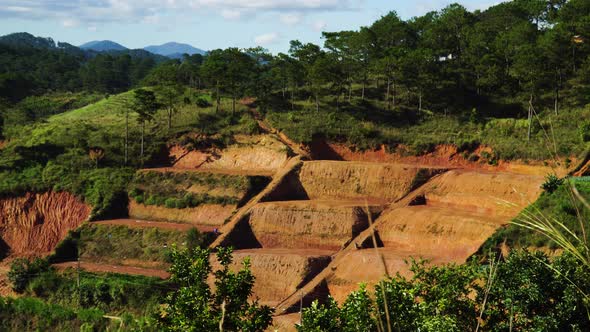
225 230
134 223
267 127
107 268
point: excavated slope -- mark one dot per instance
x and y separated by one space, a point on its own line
256 154
444 155
205 214
460 210
375 182
309 224
279 272
34 224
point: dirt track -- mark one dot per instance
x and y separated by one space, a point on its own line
107 268
134 223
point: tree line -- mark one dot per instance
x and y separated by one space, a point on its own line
515 55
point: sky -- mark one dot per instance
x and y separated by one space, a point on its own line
206 24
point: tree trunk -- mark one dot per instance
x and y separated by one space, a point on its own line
349 89
393 95
530 116
169 118
141 150
420 101
217 98
233 105
292 98
363 93
556 106
387 94
126 135
317 102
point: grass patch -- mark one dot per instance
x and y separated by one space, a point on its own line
558 205
191 189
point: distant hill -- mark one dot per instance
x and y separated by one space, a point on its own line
174 50
103 45
26 39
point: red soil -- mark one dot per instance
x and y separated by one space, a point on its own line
106 268
445 155
201 216
35 223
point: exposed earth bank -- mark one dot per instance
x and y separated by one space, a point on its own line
34 224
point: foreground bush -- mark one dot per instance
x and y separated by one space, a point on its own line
195 307
526 292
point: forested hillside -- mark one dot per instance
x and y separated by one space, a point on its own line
432 132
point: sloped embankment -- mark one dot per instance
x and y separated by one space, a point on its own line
205 214
280 272
260 154
316 210
453 216
34 224
326 225
444 155
374 182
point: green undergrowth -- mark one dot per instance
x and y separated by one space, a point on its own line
115 243
30 314
173 189
366 127
108 292
34 108
59 152
558 205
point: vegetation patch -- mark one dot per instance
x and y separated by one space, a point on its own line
555 204
191 189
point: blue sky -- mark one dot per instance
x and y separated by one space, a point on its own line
207 24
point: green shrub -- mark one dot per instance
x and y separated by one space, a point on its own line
23 270
202 102
552 182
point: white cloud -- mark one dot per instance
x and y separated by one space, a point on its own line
92 28
319 25
151 19
230 14
291 18
266 39
133 11
69 23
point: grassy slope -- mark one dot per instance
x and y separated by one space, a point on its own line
366 126
559 205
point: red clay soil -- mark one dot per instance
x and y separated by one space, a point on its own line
107 268
34 224
250 155
461 210
354 180
135 223
279 272
309 224
203 215
445 155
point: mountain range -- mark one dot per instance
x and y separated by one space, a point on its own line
172 50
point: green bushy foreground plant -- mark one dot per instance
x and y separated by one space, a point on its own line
189 303
196 307
527 292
